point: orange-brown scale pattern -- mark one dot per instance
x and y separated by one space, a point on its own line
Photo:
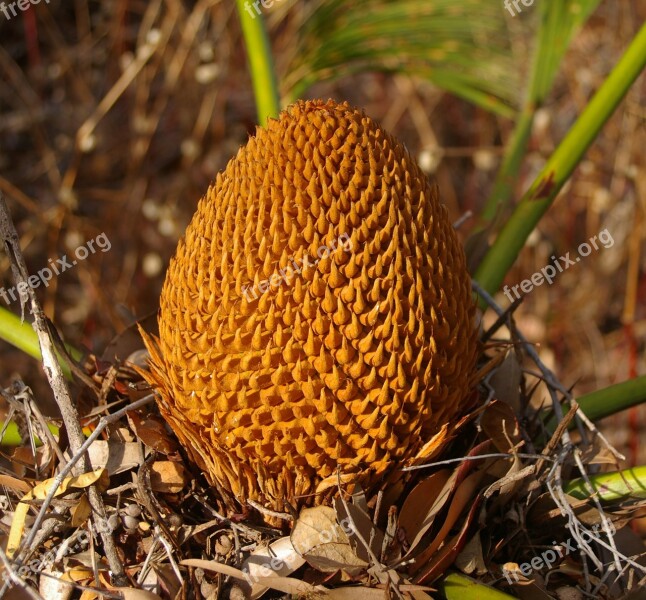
354 362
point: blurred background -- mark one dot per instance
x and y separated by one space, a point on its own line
116 115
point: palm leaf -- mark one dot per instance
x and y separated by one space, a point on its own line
461 47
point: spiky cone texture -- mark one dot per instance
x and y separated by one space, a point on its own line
275 380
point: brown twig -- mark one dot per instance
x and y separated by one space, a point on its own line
56 381
390 575
553 383
270 513
144 491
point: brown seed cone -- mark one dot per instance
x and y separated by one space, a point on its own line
273 378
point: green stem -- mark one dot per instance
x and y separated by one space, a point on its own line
613 399
546 56
610 486
11 435
560 166
608 401
19 334
261 64
514 154
22 336
459 587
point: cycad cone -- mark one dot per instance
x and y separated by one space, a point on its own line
277 380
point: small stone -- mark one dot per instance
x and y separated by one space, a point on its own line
133 510
113 521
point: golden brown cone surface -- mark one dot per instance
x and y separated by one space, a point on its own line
274 378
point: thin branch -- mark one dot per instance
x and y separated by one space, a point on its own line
14 578
479 457
553 481
390 574
270 513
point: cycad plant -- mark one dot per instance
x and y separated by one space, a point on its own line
465 49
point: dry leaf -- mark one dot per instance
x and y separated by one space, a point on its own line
544 510
85 560
359 498
134 594
212 565
419 595
40 492
78 574
453 483
168 477
278 558
500 424
442 560
509 483
15 484
532 591
81 512
422 504
52 586
596 454
470 560
354 592
57 585
115 457
167 581
506 381
433 447
288 585
362 592
358 518
320 540
128 341
152 432
282 584
463 495
21 456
